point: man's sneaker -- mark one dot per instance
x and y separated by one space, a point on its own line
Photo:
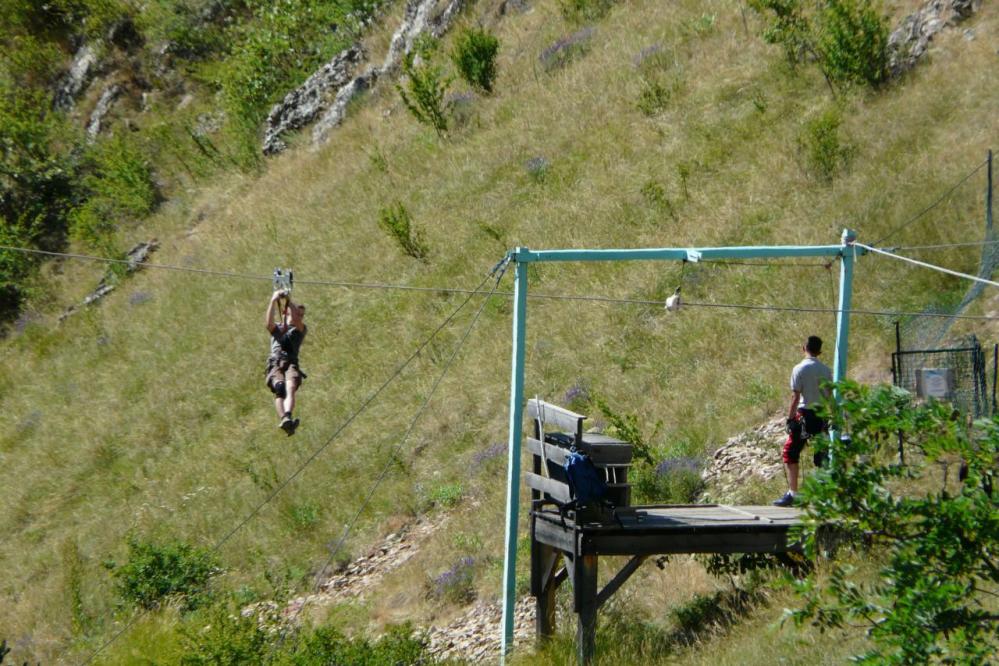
288 425
786 500
291 429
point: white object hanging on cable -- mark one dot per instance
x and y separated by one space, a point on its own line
673 302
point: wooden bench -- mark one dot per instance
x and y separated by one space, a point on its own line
556 431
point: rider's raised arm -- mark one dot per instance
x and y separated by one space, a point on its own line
271 308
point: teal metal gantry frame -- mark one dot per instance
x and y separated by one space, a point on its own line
522 257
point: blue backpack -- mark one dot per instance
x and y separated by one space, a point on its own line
586 483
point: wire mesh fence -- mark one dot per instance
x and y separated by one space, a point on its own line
957 375
928 332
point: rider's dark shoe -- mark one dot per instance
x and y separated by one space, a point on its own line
786 500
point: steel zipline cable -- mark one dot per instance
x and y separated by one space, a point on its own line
533 296
350 419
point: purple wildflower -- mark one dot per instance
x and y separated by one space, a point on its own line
646 53
566 49
683 464
494 451
139 297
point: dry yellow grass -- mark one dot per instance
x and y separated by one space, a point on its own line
151 419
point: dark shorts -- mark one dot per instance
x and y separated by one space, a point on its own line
808 425
283 372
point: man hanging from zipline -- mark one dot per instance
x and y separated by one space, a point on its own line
283 374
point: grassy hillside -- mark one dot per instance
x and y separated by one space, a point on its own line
146 416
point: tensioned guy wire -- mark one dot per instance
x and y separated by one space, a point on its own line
924 264
933 205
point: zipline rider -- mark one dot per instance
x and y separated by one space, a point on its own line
283 374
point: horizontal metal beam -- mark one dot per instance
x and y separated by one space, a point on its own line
525 255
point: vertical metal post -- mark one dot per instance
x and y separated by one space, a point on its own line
843 319
513 450
843 313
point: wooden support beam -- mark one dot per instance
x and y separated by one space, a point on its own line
620 579
556 489
585 593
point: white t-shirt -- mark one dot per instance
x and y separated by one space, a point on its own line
806 377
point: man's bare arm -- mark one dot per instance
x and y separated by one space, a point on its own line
792 412
270 310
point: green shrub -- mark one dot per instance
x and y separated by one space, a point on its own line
223 636
447 496
848 39
671 481
824 151
933 599
789 27
655 96
656 197
474 56
156 572
119 188
853 42
424 91
581 11
399 225
327 645
38 174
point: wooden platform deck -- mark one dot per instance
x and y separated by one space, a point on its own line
655 530
564 550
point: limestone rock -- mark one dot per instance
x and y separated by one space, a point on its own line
909 41
304 104
76 78
108 97
417 19
754 453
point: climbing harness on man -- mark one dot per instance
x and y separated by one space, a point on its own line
286 325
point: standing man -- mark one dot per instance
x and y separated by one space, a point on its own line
283 374
802 422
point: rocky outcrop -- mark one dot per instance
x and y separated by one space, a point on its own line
418 18
108 97
304 104
475 635
910 40
75 81
754 453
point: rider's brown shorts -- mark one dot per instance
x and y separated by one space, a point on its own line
284 372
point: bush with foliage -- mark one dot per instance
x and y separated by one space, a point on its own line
580 11
671 481
425 88
118 187
848 39
474 56
222 636
397 222
824 151
853 42
156 572
934 598
37 173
